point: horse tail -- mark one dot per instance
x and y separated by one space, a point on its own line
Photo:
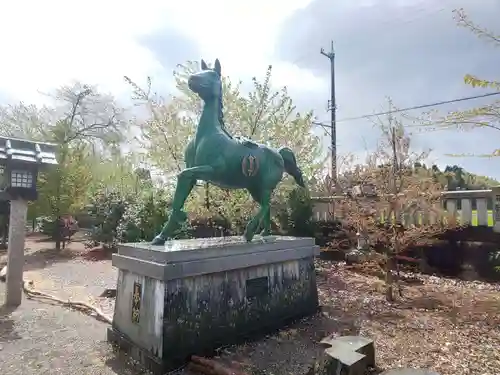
291 167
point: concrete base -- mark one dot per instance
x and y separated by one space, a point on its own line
193 296
148 361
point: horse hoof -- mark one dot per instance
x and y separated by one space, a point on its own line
158 240
248 237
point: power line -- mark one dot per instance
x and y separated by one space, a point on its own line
435 104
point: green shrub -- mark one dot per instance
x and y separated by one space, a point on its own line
297 219
107 208
144 218
494 259
46 225
213 226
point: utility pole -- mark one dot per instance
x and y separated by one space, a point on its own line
333 108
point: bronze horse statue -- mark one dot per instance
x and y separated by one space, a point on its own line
213 155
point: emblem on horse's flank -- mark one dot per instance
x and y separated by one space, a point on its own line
249 166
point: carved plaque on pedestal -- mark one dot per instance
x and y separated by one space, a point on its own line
136 303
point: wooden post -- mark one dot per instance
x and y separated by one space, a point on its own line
495 192
15 255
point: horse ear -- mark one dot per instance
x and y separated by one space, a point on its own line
217 67
204 65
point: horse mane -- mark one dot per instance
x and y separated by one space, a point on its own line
221 106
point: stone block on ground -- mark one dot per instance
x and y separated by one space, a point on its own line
349 355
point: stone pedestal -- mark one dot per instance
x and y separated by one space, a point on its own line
193 296
15 255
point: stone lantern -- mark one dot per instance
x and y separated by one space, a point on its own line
20 162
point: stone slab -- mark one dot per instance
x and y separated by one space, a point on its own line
204 248
188 258
351 355
345 356
358 344
172 271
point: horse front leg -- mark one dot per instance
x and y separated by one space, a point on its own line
262 215
266 223
185 183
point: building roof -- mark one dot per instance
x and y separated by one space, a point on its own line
27 151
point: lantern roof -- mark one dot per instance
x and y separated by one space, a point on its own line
26 151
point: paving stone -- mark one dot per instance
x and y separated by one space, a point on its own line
348 355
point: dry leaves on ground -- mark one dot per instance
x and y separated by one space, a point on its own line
449 326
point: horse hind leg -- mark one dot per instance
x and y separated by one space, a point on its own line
263 198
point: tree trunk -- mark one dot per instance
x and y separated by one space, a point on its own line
58 233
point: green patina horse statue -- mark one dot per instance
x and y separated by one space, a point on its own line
214 156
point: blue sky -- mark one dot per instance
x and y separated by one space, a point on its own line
413 53
409 50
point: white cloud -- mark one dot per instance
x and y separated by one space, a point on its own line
52 42
240 33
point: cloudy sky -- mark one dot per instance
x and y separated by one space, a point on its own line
410 50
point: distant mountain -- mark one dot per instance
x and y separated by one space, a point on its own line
451 178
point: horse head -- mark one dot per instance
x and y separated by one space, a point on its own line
207 83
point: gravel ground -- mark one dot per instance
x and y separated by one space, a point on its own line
449 326
77 279
40 338
65 273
